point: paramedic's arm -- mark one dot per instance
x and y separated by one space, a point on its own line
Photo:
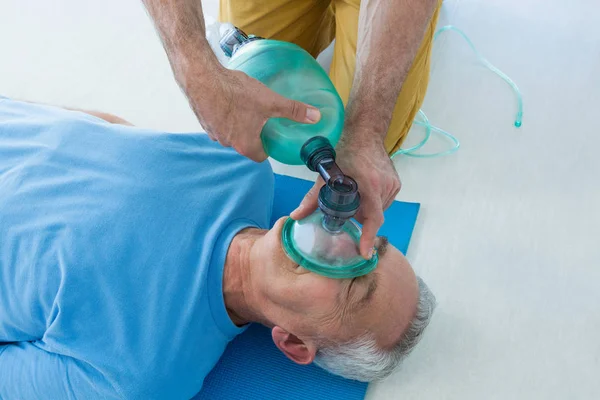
231 106
27 372
389 35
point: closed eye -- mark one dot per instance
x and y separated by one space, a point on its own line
368 292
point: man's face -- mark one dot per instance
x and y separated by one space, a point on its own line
313 307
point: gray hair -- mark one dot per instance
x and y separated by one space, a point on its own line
362 360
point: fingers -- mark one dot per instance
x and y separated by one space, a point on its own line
251 145
252 148
310 202
223 141
371 214
394 189
392 196
369 234
294 110
248 145
211 136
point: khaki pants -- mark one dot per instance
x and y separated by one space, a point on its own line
313 24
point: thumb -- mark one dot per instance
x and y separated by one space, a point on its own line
367 240
309 203
295 110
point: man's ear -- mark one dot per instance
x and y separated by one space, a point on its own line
294 348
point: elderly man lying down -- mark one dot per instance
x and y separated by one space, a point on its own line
129 258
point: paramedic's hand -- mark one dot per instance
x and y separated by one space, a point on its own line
365 160
233 108
230 105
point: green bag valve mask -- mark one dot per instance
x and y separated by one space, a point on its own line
290 71
327 241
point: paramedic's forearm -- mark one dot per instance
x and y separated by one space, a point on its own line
389 35
180 25
213 91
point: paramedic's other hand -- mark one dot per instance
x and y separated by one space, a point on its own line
233 107
363 158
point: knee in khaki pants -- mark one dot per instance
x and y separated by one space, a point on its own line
307 23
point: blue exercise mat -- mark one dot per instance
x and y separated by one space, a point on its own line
253 368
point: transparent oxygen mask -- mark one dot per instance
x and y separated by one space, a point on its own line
332 254
327 242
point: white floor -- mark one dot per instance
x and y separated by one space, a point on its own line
509 230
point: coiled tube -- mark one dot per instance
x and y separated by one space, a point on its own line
429 128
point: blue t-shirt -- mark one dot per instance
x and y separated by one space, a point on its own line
112 246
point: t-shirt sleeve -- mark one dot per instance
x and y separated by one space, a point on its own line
29 372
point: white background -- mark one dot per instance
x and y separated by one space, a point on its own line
508 236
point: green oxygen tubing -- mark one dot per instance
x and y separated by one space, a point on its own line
424 121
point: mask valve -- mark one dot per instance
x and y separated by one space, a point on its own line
338 198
